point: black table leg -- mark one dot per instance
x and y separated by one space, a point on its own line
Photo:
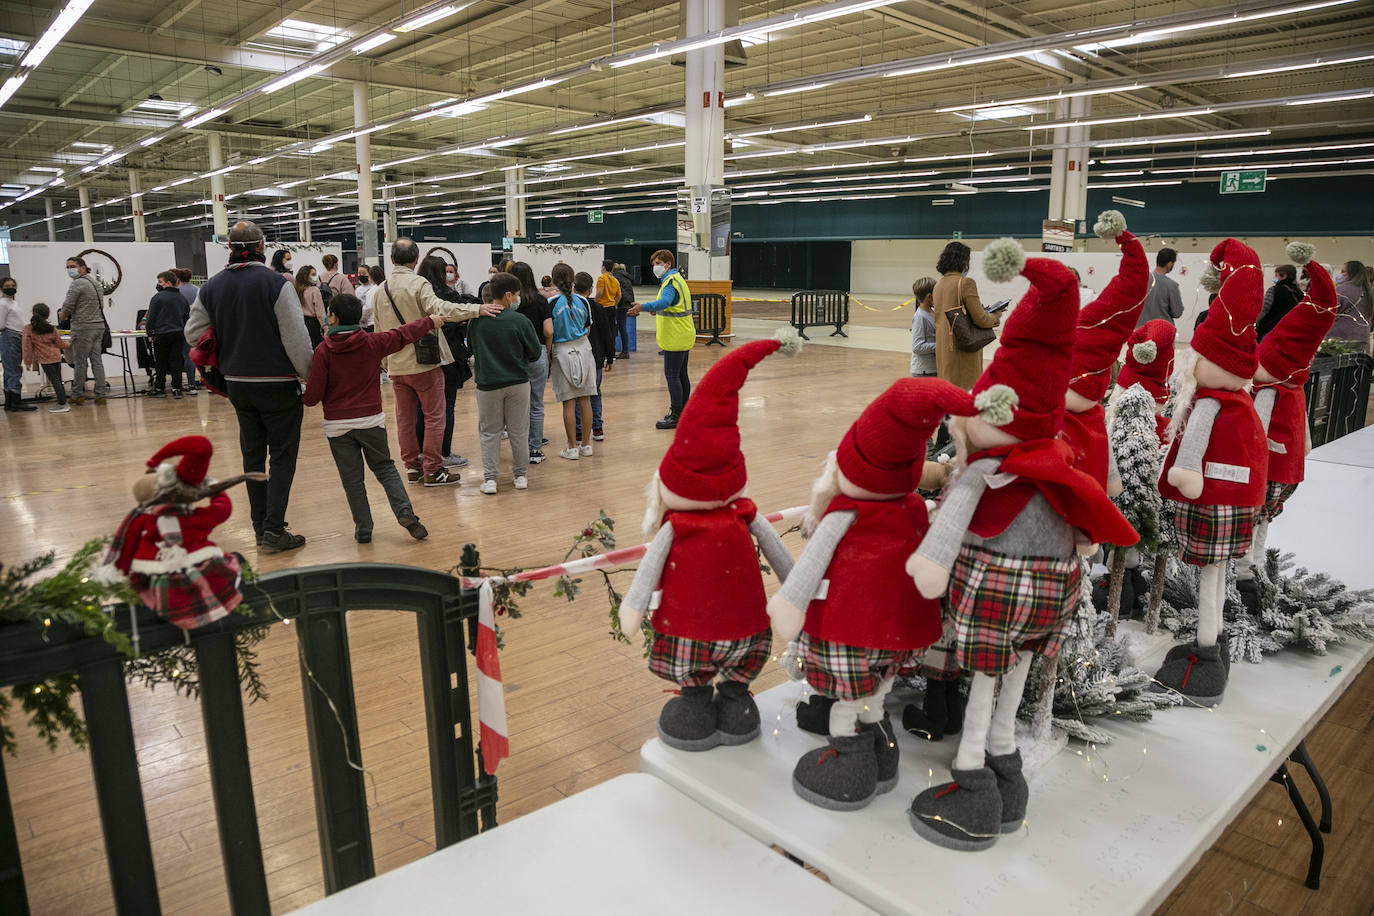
1301 756
1314 866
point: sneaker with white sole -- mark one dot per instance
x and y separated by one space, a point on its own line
522 483
63 409
537 456
454 461
586 451
413 475
488 487
442 479
572 454
599 435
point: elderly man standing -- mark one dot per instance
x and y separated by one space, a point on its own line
264 353
417 376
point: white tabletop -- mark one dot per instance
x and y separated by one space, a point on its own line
1118 845
631 845
1357 449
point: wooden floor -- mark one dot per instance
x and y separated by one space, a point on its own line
579 705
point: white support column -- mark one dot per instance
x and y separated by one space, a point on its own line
1076 185
366 230
515 204
136 202
52 223
303 220
389 221
704 249
84 196
1059 159
219 211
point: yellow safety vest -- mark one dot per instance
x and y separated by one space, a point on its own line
674 327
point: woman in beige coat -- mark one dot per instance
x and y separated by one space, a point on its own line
954 292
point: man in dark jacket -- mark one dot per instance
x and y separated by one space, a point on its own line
1280 299
622 310
264 353
165 324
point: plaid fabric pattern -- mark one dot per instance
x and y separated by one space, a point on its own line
938 661
695 663
194 597
848 672
1212 534
1003 606
1274 497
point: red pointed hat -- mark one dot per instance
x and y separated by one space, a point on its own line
885 448
705 462
1150 358
1106 322
1227 336
1286 352
194 451
1030 370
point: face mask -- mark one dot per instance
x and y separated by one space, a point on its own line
314 280
10 291
450 276
157 288
659 271
516 303
1339 278
73 272
286 263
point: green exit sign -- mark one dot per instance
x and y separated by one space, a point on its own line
1248 181
595 216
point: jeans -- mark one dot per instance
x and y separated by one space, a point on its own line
54 373
85 350
504 409
370 445
539 377
187 366
167 358
622 327
12 354
425 389
679 383
596 407
451 386
269 424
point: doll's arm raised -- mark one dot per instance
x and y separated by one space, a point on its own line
787 608
1186 472
636 601
774 550
929 566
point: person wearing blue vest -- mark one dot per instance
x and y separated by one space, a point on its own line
675 330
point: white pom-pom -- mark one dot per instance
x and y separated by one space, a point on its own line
108 574
1110 224
790 341
165 475
995 404
1211 278
1300 252
1003 260
1145 351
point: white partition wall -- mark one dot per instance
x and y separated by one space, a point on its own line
302 253
541 258
472 259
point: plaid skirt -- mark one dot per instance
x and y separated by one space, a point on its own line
193 597
1003 606
1274 497
695 662
1212 534
849 672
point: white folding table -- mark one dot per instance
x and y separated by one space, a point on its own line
632 845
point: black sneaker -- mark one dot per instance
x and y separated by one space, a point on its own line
176 395
281 541
623 354
442 479
537 456
668 422
363 537
417 530
155 393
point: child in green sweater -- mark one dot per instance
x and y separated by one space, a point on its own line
502 349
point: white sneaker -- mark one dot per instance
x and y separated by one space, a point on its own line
522 483
571 454
63 409
488 487
586 450
505 434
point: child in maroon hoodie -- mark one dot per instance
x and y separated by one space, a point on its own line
344 377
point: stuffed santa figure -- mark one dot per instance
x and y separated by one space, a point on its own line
1149 363
700 578
1007 544
163 547
1103 326
859 616
1284 357
1213 477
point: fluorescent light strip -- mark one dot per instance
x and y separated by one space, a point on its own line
1348 97
431 17
1288 68
1284 151
10 87
1047 97
57 30
1181 170
812 125
295 76
1180 138
1233 19
376 41
202 118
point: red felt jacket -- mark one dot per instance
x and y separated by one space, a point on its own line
345 372
1086 434
1235 464
1162 428
871 602
1287 427
1046 466
712 585
141 538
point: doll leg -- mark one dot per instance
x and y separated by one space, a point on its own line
1004 758
739 663
1199 670
874 720
688 721
1210 600
843 775
965 814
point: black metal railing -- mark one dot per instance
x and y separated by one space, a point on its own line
317 600
709 311
814 308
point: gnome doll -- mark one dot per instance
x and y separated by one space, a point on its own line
1149 363
163 547
1284 357
1006 544
858 613
700 578
1213 477
1103 326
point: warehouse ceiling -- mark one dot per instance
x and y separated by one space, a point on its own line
826 99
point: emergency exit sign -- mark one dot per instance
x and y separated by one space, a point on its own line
1248 181
595 216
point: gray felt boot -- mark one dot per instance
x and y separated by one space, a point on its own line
737 718
885 752
1184 648
1199 673
1012 787
688 721
965 814
841 777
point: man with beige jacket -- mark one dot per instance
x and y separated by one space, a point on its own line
402 298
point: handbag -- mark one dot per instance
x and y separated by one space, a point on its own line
106 342
427 347
968 337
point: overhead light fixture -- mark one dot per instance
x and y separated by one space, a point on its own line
1233 19
967 189
1128 201
431 17
295 76
740 100
518 90
202 118
942 202
812 125
110 159
1046 97
1284 150
45 168
376 41
57 30
149 141
86 144
1181 138
789 90
1347 97
1309 65
11 86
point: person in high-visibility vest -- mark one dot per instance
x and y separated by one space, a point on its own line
675 330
